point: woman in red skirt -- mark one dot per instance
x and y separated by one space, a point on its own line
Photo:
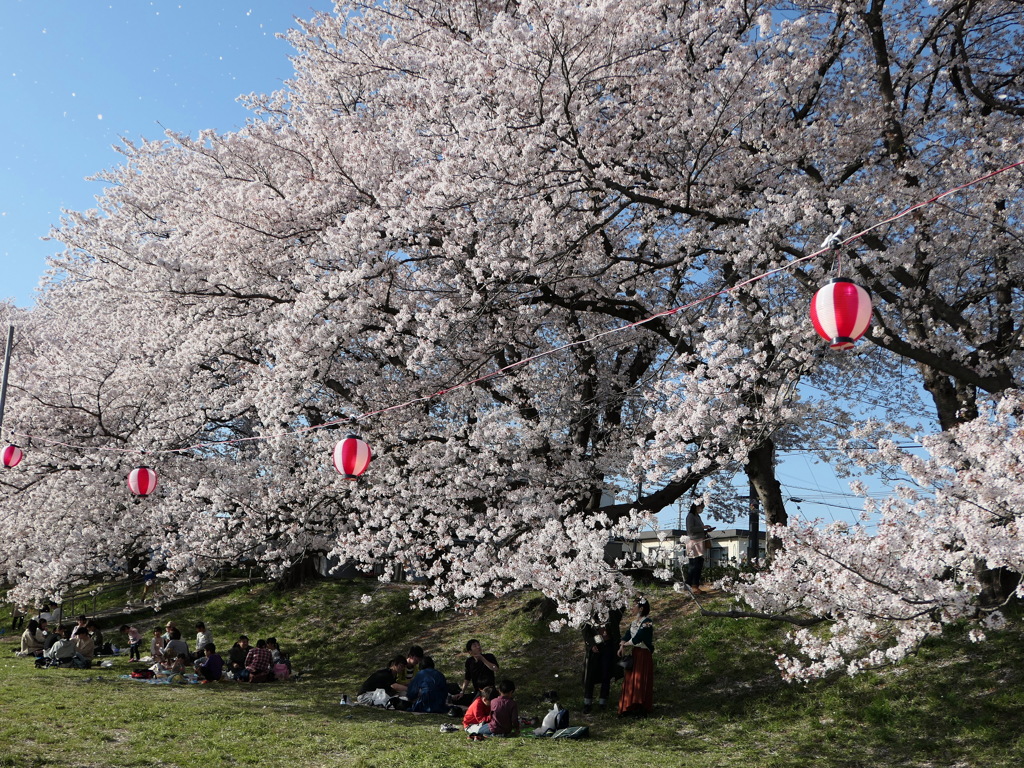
638 687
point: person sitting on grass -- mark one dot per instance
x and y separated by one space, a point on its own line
504 719
279 656
385 679
237 654
51 637
480 669
33 640
180 664
103 648
211 667
84 644
428 691
63 650
167 630
412 662
156 645
257 663
203 638
175 646
479 711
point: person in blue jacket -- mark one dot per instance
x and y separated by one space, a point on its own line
428 691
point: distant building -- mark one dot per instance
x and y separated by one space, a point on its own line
667 548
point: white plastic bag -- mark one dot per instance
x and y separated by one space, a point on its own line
377 698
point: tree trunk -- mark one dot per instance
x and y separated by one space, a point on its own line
301 571
760 471
955 402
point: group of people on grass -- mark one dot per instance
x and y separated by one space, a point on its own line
63 645
77 646
488 706
412 682
171 655
408 682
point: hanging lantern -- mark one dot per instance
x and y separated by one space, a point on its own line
142 481
352 457
841 312
12 456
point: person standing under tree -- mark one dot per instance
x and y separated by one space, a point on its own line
638 687
697 544
134 641
601 644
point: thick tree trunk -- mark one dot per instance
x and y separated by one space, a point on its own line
760 471
955 402
301 571
997 584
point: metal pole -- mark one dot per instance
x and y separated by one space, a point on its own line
7 368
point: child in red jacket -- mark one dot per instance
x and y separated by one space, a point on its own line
478 713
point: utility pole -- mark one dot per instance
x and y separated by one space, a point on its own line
753 524
754 527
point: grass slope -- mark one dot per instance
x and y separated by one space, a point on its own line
719 700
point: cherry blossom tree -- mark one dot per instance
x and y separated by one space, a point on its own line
531 252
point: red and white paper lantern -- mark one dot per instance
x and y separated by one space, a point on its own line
841 312
12 456
351 457
142 481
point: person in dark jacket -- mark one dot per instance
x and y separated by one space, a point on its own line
601 647
237 654
428 691
386 678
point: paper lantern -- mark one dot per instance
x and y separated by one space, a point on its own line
841 312
352 457
142 481
12 456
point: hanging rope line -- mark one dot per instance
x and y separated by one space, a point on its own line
831 245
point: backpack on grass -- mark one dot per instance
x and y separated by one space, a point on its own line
554 720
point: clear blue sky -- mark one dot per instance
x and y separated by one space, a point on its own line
76 76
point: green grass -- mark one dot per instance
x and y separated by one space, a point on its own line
719 699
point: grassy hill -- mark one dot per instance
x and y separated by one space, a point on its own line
719 700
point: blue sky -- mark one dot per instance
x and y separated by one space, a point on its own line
76 76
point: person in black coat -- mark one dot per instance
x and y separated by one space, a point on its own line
601 645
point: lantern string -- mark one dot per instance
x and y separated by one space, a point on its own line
833 242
